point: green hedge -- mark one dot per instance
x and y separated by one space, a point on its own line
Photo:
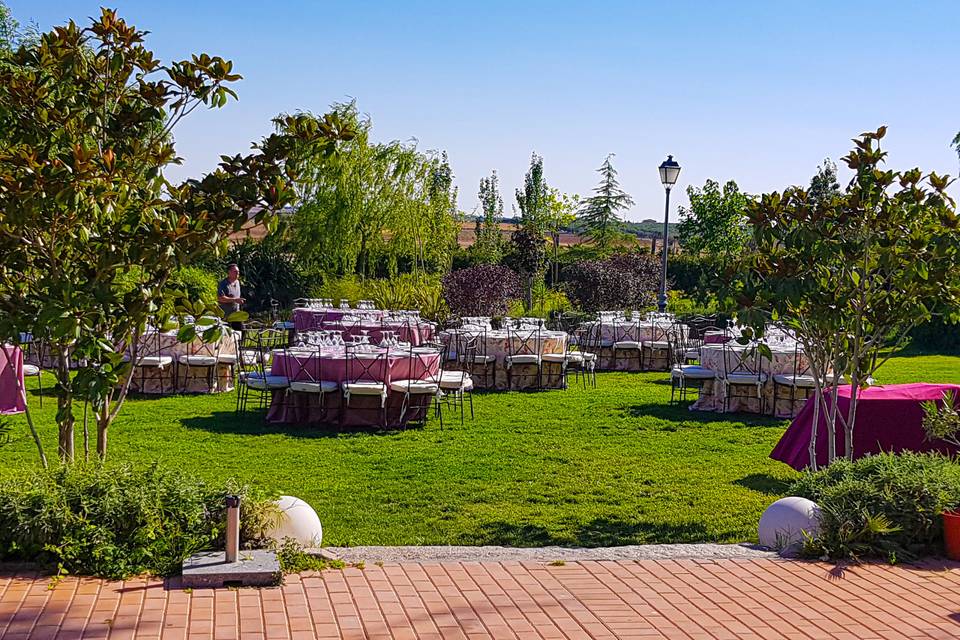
887 505
118 521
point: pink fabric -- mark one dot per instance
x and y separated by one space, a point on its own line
305 319
415 334
12 398
712 337
306 408
889 418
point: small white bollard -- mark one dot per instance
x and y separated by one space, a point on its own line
783 524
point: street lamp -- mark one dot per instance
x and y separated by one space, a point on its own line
669 171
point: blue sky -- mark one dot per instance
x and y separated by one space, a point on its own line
759 92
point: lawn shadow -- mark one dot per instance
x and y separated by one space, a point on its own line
254 424
681 413
599 532
763 483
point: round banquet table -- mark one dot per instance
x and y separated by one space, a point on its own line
415 333
497 343
606 333
712 395
330 363
305 318
12 399
176 379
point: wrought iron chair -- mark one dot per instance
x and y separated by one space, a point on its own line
626 341
306 370
799 379
685 376
523 350
422 359
742 370
364 377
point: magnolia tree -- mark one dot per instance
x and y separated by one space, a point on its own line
851 273
87 117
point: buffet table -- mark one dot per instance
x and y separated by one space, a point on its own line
889 418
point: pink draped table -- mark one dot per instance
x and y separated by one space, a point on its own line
305 319
11 380
889 418
330 364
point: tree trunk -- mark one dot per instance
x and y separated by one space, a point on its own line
528 297
86 433
65 418
817 397
103 423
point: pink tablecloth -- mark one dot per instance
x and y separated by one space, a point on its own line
306 408
889 418
11 380
305 319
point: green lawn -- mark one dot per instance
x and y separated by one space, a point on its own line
612 465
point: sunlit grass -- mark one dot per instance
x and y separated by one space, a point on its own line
612 465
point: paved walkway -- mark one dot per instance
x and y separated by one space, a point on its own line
617 599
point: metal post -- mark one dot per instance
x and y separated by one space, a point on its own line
662 302
233 528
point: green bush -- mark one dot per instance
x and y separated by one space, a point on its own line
118 521
199 285
886 505
269 270
936 336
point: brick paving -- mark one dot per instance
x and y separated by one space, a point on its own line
708 599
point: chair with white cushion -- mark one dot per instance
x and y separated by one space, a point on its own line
200 362
309 376
33 351
626 344
685 376
743 376
150 358
472 357
798 379
524 350
422 383
364 378
255 374
657 345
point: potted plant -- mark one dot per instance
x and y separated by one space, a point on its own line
942 422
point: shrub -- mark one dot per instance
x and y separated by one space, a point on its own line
625 281
484 290
887 505
269 270
547 303
198 284
936 336
117 521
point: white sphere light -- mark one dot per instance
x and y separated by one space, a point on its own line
299 521
783 524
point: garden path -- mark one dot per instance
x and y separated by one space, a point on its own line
756 598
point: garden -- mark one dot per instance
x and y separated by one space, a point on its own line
415 390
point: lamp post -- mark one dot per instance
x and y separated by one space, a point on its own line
669 171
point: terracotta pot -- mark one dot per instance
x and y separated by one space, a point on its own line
951 534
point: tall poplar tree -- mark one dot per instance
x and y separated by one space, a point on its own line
489 243
600 212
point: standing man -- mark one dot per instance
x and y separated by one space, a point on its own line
228 294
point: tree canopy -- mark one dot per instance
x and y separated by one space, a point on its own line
87 116
368 207
850 274
715 222
600 213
